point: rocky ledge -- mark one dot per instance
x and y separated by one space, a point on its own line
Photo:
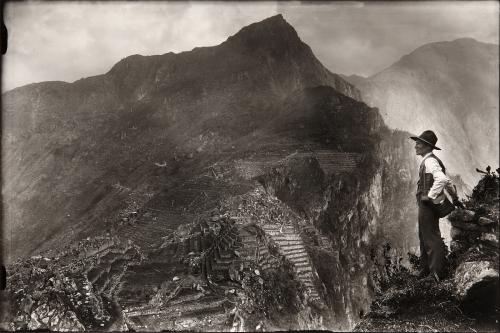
468 298
474 247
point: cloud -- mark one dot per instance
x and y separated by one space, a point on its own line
70 40
67 41
366 39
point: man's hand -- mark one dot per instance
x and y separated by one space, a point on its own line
458 203
425 198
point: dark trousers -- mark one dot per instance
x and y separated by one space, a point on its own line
432 248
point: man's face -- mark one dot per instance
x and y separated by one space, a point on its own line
422 148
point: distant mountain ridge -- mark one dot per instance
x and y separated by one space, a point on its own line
450 87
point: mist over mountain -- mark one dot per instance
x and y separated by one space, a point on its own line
449 87
241 176
75 140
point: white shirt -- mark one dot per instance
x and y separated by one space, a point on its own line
440 179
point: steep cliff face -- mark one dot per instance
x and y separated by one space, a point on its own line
399 175
348 217
350 210
449 87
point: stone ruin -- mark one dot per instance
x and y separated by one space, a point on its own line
237 275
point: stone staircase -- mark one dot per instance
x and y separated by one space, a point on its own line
293 248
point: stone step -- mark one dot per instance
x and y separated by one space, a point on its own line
278 229
309 283
279 232
292 247
301 263
302 269
297 255
298 259
287 252
304 274
292 242
291 237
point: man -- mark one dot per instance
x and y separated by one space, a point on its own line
431 185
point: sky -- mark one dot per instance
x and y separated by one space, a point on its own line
67 41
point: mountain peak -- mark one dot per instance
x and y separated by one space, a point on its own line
276 23
439 54
273 31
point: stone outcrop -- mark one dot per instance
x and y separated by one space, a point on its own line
474 247
466 299
477 285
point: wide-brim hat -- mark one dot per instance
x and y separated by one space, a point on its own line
427 137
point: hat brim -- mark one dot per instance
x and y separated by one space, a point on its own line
415 138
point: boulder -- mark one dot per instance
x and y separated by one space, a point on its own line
464 215
477 285
490 238
466 225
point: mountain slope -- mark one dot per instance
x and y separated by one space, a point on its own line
107 131
449 87
217 170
